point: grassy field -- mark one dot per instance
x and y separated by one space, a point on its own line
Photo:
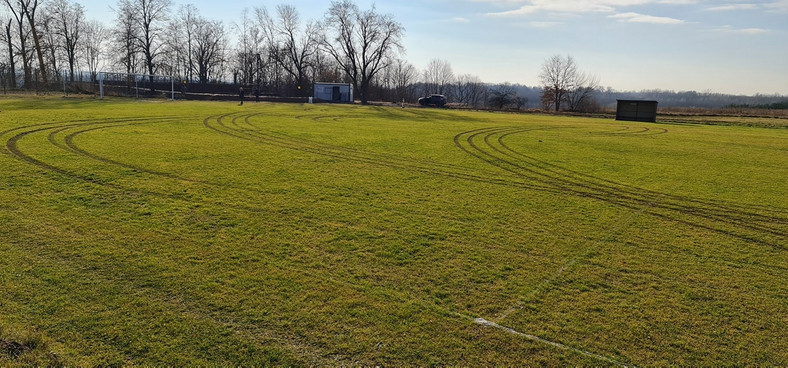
195 233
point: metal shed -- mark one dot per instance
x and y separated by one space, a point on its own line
334 92
636 110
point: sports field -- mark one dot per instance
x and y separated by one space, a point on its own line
207 233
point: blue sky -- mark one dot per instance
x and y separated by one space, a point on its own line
723 46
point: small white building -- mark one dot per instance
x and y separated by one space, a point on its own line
334 92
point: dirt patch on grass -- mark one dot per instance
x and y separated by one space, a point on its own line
12 349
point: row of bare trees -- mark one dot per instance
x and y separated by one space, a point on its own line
43 38
276 52
563 85
468 90
275 49
351 44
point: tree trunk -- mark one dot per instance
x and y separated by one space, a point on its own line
37 44
150 71
12 72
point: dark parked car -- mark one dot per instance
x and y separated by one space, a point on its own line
435 100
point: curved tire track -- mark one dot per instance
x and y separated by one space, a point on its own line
748 223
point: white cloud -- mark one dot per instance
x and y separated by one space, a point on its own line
571 6
742 31
544 24
752 31
733 7
678 2
780 6
643 18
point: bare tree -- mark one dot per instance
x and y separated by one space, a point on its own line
93 45
291 47
26 9
50 45
404 75
186 25
326 69
502 96
438 77
67 25
563 82
195 46
208 52
11 62
470 90
547 99
250 58
557 77
519 101
580 96
148 17
125 36
180 41
23 34
360 41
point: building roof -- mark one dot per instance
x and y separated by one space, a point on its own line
651 101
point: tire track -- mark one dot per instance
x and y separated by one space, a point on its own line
183 303
69 145
561 171
737 221
717 206
242 127
545 165
254 134
625 131
12 146
488 145
520 171
617 188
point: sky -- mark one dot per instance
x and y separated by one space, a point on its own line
735 47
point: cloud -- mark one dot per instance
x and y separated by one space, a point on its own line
752 31
566 6
677 2
571 6
733 7
457 20
544 24
643 18
741 31
780 6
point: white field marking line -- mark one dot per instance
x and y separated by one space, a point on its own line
519 304
487 323
570 263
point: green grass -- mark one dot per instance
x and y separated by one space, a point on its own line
194 233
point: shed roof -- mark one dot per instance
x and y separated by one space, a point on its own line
650 101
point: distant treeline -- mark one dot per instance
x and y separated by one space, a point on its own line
606 98
783 105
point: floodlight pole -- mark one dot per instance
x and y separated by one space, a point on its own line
172 86
101 85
